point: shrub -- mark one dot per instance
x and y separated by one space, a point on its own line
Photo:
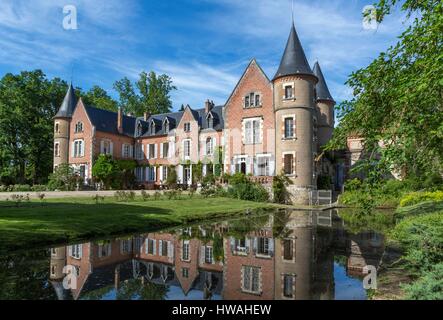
352 185
248 191
21 188
324 182
39 188
171 181
97 198
428 287
238 178
19 198
157 195
417 197
279 188
211 190
64 178
124 196
192 192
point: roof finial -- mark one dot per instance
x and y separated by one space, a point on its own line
293 12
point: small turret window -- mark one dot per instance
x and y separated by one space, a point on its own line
57 128
289 92
57 149
166 126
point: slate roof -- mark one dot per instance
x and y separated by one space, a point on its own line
321 89
294 59
106 121
69 103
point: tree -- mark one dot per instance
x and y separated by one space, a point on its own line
28 103
398 99
105 170
153 94
99 98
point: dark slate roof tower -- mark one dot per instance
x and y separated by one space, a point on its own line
69 103
294 59
321 88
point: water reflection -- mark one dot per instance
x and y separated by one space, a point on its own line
287 255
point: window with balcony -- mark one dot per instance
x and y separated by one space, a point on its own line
263 166
187 148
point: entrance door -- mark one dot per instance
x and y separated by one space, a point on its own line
243 167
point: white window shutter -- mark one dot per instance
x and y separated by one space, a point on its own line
161 173
102 147
83 149
160 246
170 250
171 149
180 174
123 150
161 150
155 150
155 174
147 174
143 152
111 149
131 151
155 247
202 255
148 147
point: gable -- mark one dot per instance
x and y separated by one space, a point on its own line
252 79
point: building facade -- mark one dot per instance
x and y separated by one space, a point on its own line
265 128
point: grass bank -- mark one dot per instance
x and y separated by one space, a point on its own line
57 221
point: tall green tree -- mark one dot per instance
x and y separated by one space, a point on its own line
398 99
99 98
28 103
151 93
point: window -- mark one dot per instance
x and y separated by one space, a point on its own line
187 127
289 92
165 151
252 131
126 151
185 272
263 246
126 246
79 149
57 149
165 173
152 127
252 100
139 174
150 246
185 251
139 130
106 147
57 128
208 255
315 130
251 279
288 286
187 148
289 164
151 151
210 121
241 165
76 251
209 147
104 250
288 249
163 248
139 152
79 127
151 174
263 166
289 128
166 127
187 174
240 245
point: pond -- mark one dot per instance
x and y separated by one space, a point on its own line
286 255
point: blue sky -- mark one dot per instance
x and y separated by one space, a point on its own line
204 45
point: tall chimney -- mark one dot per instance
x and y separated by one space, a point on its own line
146 116
120 120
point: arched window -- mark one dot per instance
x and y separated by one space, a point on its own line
57 127
210 121
139 129
166 126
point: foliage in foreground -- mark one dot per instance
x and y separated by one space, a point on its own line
397 106
418 197
428 287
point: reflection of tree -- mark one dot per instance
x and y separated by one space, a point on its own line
25 277
135 289
281 220
219 250
378 221
97 294
242 227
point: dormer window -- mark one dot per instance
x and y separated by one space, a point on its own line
210 121
79 127
289 92
152 128
166 126
252 100
139 129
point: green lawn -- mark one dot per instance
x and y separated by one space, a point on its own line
57 221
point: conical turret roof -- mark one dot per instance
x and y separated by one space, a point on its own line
294 59
322 90
69 103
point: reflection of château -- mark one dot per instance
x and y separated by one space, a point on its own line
289 255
